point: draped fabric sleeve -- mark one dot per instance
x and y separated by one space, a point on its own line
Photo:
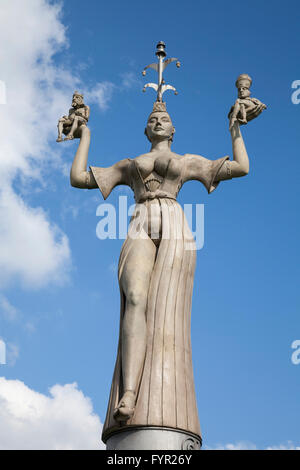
108 178
203 169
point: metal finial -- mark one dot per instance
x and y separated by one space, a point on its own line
160 88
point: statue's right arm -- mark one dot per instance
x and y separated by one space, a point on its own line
103 178
80 177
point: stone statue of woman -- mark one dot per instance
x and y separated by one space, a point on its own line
153 386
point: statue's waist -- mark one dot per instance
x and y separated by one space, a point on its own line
145 196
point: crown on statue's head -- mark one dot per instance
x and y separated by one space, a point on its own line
76 93
159 107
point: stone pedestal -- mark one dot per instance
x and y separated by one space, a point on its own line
153 438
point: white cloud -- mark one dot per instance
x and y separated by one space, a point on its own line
35 250
12 354
242 445
32 248
31 38
288 446
13 315
62 420
9 312
245 445
129 80
38 92
9 353
100 94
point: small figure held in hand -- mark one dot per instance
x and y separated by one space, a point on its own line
245 108
78 116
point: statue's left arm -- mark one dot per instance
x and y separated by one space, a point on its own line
211 172
239 166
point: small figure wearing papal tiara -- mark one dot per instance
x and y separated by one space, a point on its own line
78 116
245 108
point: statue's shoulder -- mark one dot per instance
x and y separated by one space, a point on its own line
192 156
196 163
177 156
143 156
124 163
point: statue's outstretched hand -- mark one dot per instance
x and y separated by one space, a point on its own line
254 113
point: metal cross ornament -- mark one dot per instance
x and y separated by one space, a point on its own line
161 87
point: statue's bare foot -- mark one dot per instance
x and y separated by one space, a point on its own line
69 137
59 139
125 408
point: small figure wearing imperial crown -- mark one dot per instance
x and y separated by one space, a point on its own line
245 108
78 116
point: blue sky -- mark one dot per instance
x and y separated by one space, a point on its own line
60 320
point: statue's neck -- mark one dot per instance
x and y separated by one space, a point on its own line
162 146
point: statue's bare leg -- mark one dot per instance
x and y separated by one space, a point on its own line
135 282
70 136
60 130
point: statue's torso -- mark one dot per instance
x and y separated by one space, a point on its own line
156 175
78 111
150 174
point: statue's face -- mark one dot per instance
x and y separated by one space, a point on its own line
159 126
244 92
77 101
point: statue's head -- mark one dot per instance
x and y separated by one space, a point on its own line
77 100
243 85
159 124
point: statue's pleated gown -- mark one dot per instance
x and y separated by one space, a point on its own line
166 395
